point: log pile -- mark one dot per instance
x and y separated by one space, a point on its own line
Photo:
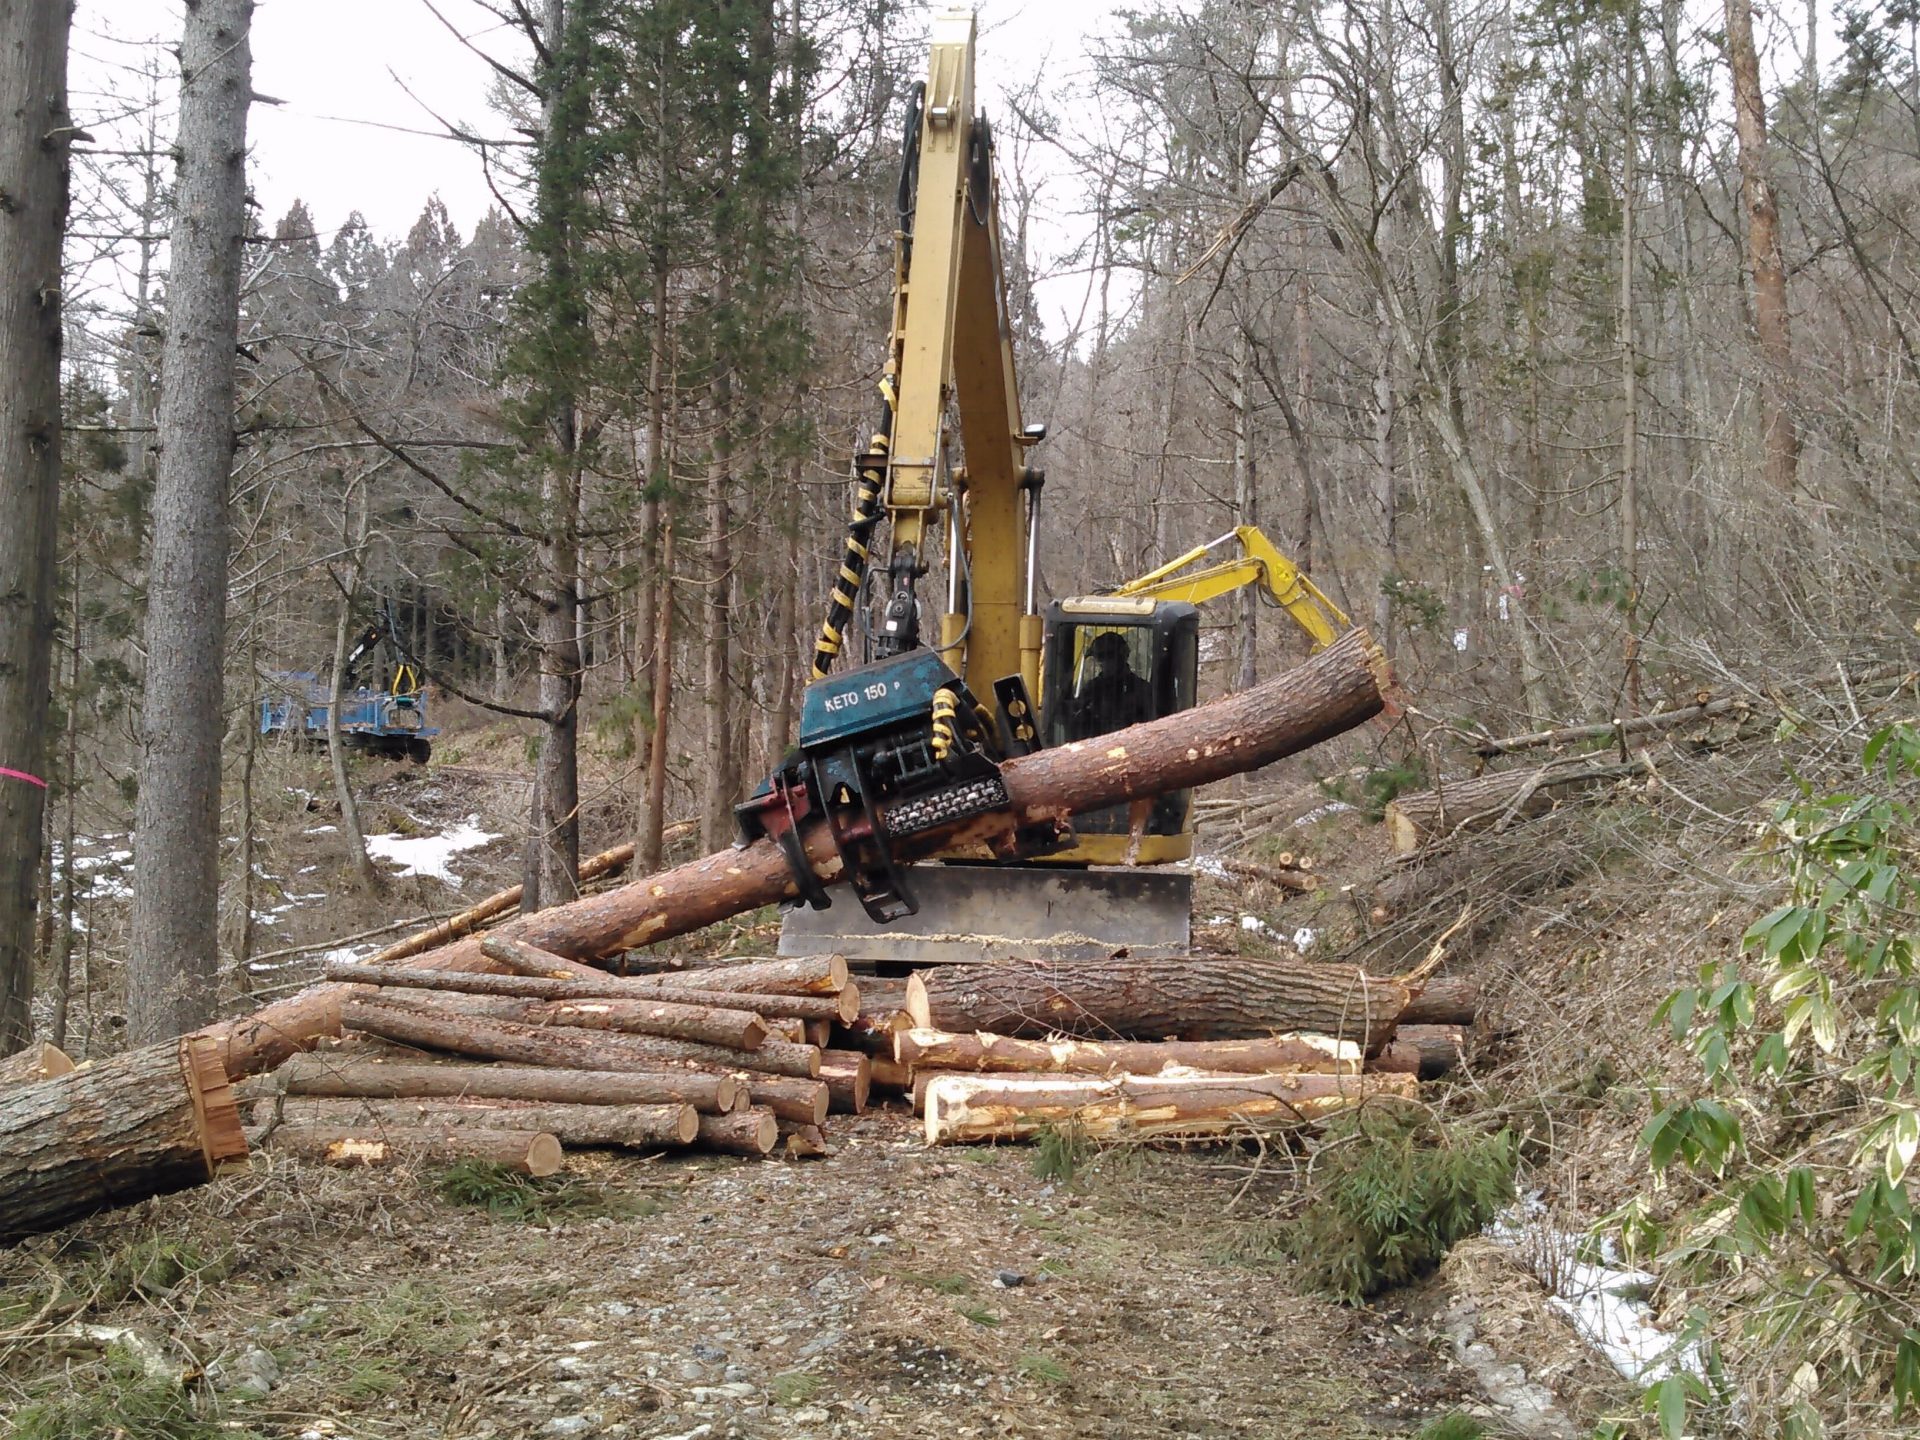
515 1068
1197 1049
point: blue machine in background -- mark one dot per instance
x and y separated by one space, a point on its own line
390 722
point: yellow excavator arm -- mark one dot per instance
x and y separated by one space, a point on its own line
1258 563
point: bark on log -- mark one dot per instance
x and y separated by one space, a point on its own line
801 1101
749 1132
39 1061
889 1074
525 1151
991 1107
1636 725
151 1121
1442 1048
633 1127
1276 1055
521 958
564 1046
1195 999
1415 819
800 975
842 1007
666 1020
802 1142
396 1080
1450 1000
849 1079
1330 693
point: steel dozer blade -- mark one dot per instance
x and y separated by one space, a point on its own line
974 913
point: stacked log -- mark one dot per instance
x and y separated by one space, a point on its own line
717 1058
1257 1044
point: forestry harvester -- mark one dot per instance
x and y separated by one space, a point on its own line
912 739
389 720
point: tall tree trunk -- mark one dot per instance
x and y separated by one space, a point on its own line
1630 387
172 971
653 821
355 536
69 791
34 139
716 818
1763 250
1386 497
1246 500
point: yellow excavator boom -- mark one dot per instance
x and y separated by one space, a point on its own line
1258 563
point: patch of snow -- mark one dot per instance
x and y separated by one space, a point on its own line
1303 938
1210 865
324 830
1255 925
1603 1299
1320 812
431 854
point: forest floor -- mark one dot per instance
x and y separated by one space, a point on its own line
890 1290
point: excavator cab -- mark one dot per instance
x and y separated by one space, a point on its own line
1110 663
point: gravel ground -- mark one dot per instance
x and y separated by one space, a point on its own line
884 1291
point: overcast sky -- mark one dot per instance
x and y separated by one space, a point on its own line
358 77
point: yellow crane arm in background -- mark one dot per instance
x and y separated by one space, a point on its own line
1258 563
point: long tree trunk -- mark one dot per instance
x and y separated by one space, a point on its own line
172 971
1763 249
34 139
351 834
716 815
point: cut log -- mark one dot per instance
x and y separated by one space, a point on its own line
802 1142
1607 729
524 1151
565 1046
1450 1000
1277 1055
729 1029
1330 693
961 1108
849 1078
1422 816
39 1061
803 1102
148 1122
890 1074
521 958
633 1127
801 975
378 1079
1442 1048
1194 999
749 1132
818 1032
843 1007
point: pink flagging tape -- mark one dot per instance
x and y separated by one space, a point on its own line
6 774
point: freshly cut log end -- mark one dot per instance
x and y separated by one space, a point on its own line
750 1132
39 1061
323 1075
151 1121
523 1151
1275 1055
216 1108
962 1108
